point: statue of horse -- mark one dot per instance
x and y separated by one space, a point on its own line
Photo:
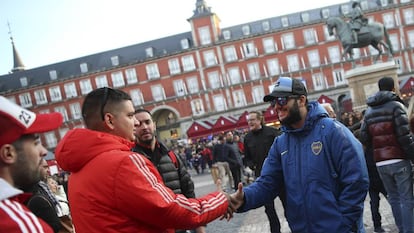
372 34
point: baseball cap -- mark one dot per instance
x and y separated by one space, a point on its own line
286 86
16 121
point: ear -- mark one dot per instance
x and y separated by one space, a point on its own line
8 154
109 121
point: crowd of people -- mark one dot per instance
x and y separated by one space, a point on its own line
321 168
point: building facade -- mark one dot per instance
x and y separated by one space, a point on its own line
210 71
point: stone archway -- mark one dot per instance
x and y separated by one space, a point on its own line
168 126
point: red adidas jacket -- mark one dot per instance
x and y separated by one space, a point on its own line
112 189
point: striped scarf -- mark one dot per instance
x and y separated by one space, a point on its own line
45 190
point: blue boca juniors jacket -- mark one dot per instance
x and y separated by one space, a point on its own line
323 169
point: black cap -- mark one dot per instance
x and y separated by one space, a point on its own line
386 84
285 86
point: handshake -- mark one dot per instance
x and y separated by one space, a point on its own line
235 200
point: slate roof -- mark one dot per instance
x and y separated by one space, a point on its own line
166 46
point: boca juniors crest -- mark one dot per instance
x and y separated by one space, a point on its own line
316 147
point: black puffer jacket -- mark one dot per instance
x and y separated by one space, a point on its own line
174 175
386 128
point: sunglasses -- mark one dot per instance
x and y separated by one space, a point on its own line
282 101
104 101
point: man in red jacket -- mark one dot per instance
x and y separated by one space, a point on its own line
21 154
111 188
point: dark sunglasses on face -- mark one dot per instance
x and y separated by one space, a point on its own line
281 101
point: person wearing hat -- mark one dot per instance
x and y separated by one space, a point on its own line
317 160
21 155
111 188
386 130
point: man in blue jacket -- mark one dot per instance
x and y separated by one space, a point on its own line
317 159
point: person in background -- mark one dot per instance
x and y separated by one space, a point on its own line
236 173
257 143
130 195
329 109
318 161
386 130
225 160
21 155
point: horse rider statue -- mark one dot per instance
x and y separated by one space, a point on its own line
357 20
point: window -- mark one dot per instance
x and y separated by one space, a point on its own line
25 100
325 13
53 74
24 82
310 36
158 92
257 94
192 85
185 43
179 88
364 5
55 94
399 62
239 98
269 45
388 20
357 53
101 81
305 17
118 79
266 25
339 77
70 90
188 63
62 110
334 54
410 35
62 132
152 71
149 52
313 57
273 67
408 16
51 140
249 50
384 2
85 86
137 97
214 80
219 103
131 76
197 107
234 75
75 111
246 30
115 60
318 81
288 41
205 37
226 34
345 9
210 58
326 33
254 70
230 54
285 21
394 39
293 62
84 67
174 66
40 97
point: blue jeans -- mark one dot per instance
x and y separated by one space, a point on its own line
398 181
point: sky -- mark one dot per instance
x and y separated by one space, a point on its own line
50 31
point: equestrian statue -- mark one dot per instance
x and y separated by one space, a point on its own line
358 33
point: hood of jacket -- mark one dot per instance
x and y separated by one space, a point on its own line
315 111
383 97
79 146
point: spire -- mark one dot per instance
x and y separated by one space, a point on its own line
18 64
201 9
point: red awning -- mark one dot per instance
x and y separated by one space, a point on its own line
224 124
325 99
199 129
242 121
270 115
407 86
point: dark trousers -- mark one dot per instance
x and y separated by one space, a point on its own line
271 212
374 195
235 172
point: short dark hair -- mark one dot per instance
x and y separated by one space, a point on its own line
139 110
99 100
386 84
